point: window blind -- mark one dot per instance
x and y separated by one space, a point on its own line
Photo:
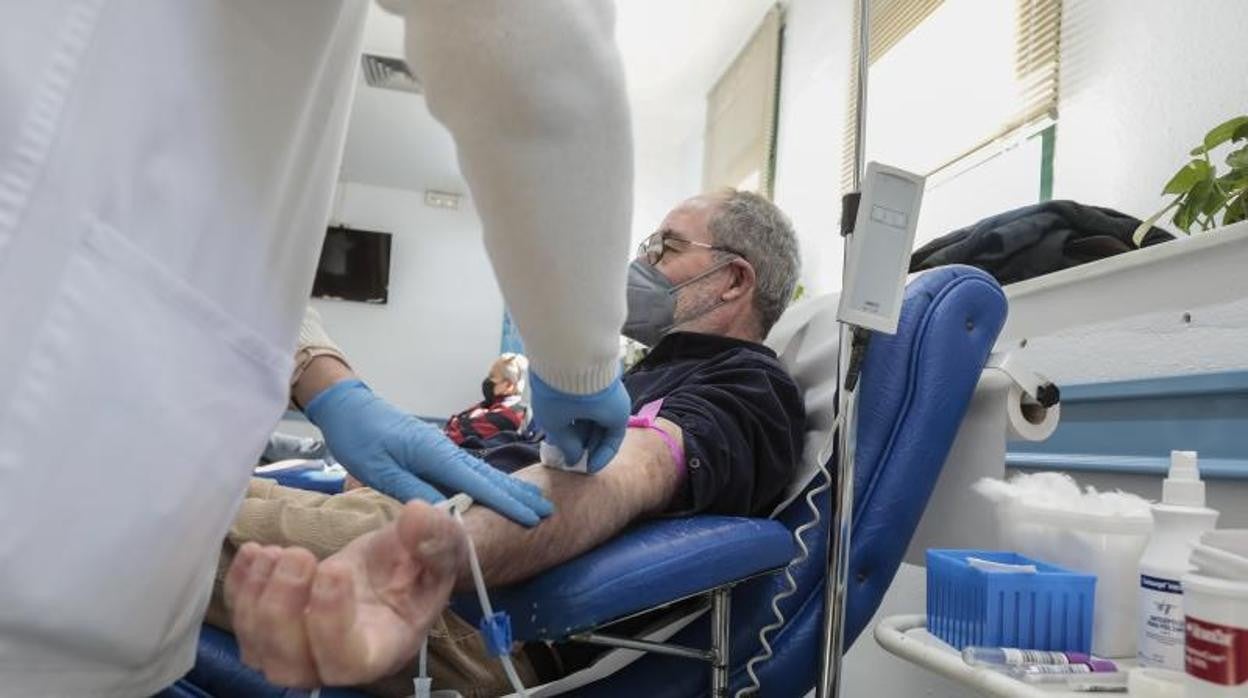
740 137
951 54
1037 58
891 21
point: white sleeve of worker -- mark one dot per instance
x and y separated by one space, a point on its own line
534 95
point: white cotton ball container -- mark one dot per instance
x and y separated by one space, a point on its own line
1045 516
1108 546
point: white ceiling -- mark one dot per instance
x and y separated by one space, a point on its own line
673 51
393 141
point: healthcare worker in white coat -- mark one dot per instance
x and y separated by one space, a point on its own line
166 170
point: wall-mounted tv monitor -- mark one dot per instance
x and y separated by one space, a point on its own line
354 266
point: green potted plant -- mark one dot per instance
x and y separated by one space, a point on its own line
1202 191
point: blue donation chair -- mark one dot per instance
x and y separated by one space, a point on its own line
914 391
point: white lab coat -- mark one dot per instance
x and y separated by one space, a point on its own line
166 169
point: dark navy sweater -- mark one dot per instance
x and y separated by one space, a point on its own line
742 416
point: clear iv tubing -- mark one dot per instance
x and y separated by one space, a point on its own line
790 583
422 684
478 581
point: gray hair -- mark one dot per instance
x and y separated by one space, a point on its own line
756 228
515 368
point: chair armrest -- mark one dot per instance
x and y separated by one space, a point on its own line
653 564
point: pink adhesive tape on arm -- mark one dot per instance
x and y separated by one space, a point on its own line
646 419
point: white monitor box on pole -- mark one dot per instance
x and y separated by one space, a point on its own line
879 249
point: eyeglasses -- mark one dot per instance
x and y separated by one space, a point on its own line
658 244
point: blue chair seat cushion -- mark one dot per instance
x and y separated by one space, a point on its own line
654 564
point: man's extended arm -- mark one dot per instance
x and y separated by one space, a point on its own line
362 613
642 480
320 373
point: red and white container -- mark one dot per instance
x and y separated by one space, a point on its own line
1216 620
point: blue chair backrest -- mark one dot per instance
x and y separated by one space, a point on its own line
916 386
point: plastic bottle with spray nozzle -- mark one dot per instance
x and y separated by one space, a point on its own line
1178 521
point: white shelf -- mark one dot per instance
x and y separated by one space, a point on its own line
907 637
1204 269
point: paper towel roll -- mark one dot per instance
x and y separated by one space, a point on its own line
1029 422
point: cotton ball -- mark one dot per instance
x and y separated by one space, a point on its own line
994 490
1046 489
1059 491
1116 503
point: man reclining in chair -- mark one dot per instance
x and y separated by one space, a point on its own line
727 438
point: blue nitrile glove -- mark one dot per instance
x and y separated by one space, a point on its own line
402 456
577 424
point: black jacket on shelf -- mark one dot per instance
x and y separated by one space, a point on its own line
1036 240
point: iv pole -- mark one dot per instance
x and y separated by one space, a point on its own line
837 580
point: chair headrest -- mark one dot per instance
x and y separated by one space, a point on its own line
807 340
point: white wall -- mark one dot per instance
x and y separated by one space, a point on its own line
1142 81
428 348
813 97
667 165
670 70
1205 339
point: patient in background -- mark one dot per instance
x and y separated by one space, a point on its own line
502 410
499 419
725 437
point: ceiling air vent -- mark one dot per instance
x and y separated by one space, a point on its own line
388 73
